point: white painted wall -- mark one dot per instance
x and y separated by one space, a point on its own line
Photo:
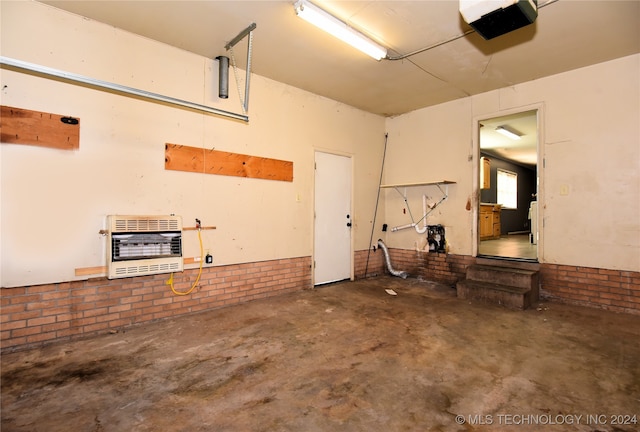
427 145
54 202
591 142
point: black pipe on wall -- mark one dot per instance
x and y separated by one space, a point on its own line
223 77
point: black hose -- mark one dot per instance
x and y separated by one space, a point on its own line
375 213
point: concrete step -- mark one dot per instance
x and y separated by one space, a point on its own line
509 262
513 287
504 295
499 275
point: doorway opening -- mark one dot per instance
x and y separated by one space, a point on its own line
508 214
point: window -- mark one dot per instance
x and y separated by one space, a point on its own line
507 189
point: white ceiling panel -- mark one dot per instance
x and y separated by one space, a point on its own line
567 34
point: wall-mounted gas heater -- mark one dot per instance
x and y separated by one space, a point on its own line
144 245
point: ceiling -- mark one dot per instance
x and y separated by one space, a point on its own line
567 34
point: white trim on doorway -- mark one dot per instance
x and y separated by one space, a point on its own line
477 120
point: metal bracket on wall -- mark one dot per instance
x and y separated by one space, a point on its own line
403 194
229 46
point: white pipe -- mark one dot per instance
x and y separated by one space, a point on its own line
398 228
424 216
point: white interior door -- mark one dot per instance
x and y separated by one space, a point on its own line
332 232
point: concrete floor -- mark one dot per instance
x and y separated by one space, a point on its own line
346 357
512 246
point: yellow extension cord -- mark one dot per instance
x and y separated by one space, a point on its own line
170 281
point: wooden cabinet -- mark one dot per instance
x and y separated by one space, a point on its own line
497 210
486 224
485 173
490 221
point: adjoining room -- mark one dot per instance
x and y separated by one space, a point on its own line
218 216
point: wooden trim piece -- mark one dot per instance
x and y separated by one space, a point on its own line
22 126
102 270
201 228
88 271
193 159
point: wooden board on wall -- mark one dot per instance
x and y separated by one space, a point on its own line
194 159
22 126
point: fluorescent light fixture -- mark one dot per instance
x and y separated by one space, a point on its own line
332 25
508 133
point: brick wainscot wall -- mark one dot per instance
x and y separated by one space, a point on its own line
34 315
39 314
615 290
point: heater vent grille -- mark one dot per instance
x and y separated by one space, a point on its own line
144 245
139 269
136 224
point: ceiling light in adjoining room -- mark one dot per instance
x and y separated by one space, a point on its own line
508 133
332 25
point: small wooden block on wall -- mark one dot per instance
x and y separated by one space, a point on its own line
194 159
22 126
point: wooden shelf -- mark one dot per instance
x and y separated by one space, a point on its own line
403 193
399 185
